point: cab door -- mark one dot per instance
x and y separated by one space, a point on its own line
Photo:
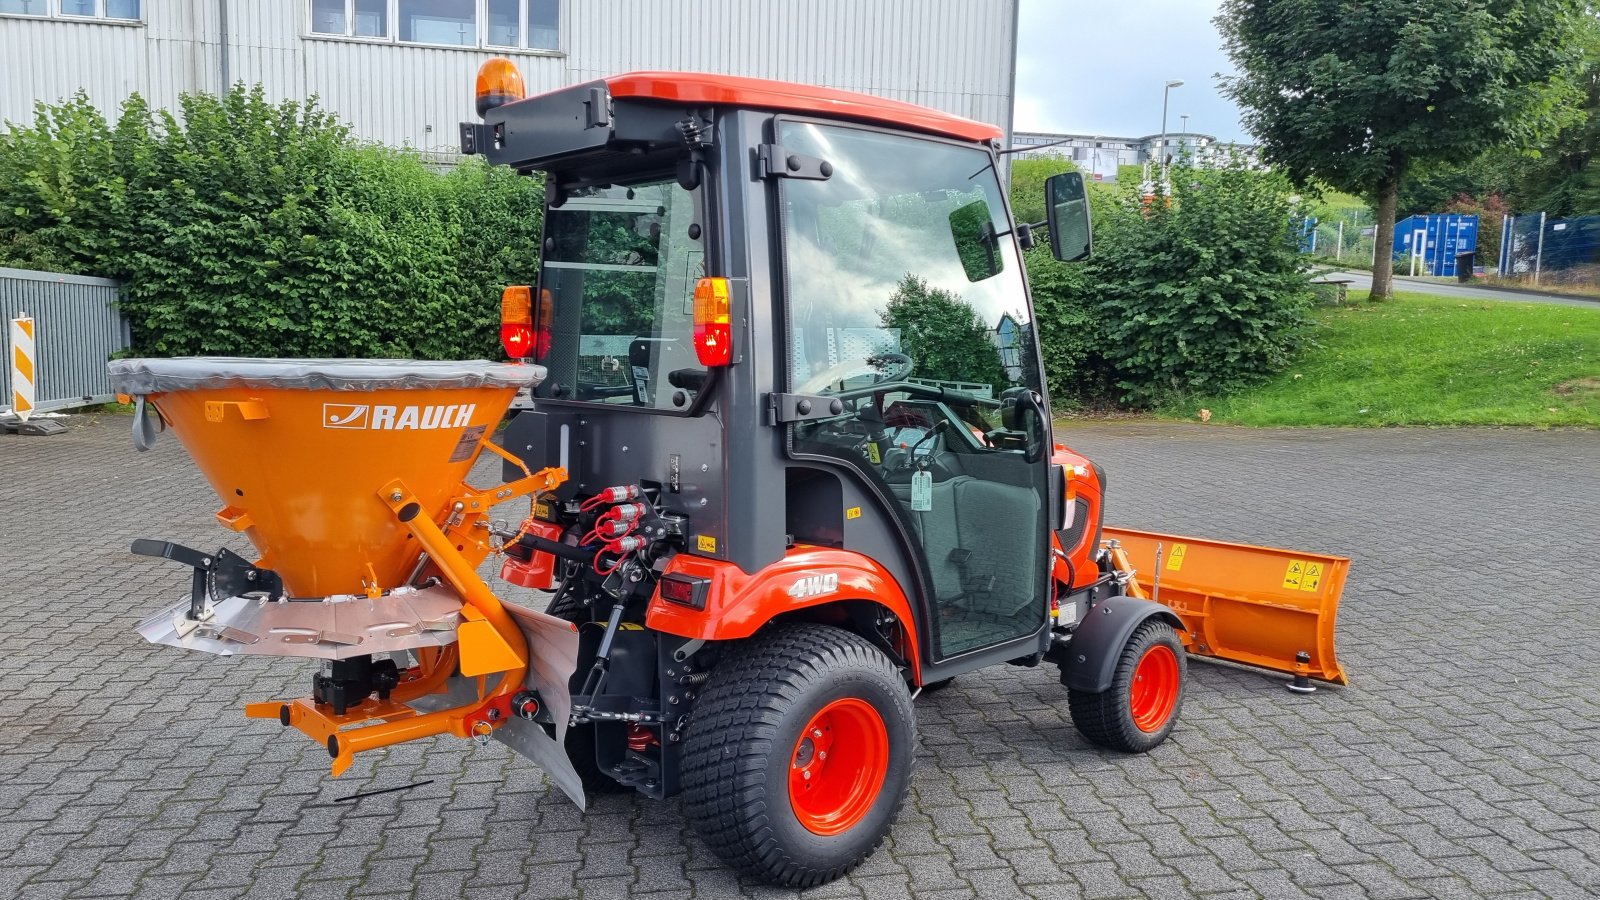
908 324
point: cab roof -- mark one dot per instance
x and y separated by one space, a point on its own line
785 96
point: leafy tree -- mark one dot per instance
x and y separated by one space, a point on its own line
944 334
1564 178
1353 92
1027 185
1430 186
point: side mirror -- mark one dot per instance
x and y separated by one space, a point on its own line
1067 213
973 230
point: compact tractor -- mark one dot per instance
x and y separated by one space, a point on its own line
779 416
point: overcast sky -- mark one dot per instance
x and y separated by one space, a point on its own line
1098 66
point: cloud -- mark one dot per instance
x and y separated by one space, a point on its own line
1098 67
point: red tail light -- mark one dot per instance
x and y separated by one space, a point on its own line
516 321
713 324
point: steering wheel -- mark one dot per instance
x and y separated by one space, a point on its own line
903 366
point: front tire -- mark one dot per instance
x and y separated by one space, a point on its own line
799 755
1137 712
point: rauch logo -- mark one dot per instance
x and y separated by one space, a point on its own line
396 418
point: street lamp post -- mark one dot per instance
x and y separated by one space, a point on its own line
1176 82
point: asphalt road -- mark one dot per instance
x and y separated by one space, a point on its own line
1363 281
1462 761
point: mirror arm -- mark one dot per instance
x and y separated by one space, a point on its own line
1020 226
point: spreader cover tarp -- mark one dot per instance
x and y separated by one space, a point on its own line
154 376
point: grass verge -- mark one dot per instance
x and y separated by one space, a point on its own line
1420 360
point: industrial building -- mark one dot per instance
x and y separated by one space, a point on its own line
401 71
1100 155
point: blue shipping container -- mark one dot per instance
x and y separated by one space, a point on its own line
1428 245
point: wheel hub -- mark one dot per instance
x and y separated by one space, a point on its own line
1154 691
838 767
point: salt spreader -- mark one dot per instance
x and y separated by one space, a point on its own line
348 477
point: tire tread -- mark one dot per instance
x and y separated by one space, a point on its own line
731 736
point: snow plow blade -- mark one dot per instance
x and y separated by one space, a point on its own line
1260 606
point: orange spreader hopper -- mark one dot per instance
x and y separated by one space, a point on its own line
297 450
349 477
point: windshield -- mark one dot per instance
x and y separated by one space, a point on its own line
902 259
620 264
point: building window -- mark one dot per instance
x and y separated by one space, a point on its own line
370 18
115 10
510 24
439 22
327 17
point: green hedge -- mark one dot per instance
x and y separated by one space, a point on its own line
243 227
1202 294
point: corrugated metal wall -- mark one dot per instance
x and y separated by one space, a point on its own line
77 328
954 55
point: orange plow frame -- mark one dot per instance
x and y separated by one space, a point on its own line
1260 606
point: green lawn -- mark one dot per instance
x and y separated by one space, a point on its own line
1419 360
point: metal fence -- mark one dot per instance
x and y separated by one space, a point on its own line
1345 235
77 329
1540 250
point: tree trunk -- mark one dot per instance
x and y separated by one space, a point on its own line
1383 238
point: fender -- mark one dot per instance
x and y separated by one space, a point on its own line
1091 657
1074 567
739 603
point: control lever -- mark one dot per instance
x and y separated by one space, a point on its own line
217 576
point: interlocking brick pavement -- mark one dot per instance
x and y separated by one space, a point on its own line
1464 760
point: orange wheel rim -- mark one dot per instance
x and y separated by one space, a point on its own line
838 766
1155 688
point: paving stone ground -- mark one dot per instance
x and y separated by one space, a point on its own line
1463 760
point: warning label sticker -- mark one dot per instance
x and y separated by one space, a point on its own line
1175 560
468 444
705 543
1312 577
1302 575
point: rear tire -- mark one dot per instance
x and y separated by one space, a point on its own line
1137 712
758 784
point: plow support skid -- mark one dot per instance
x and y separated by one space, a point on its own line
1259 606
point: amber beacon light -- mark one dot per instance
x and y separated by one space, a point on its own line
499 83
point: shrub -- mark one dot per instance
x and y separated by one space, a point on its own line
1203 294
243 227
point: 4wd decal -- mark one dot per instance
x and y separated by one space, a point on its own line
814 586
397 418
